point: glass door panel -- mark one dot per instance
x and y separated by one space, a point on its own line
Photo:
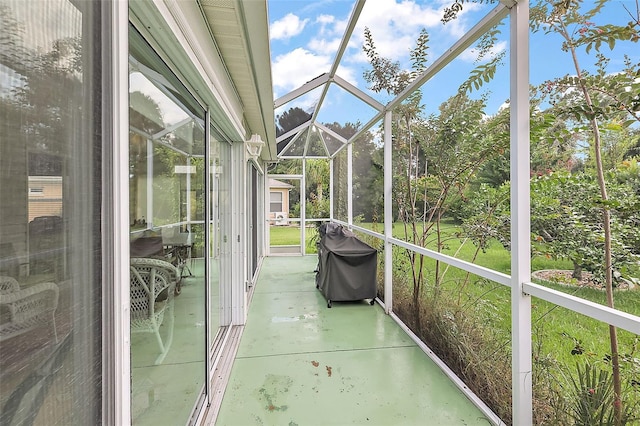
218 244
51 315
167 229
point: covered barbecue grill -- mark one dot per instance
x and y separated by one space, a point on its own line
347 266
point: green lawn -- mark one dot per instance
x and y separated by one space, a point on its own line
563 329
290 235
557 331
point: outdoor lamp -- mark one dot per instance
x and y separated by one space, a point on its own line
254 146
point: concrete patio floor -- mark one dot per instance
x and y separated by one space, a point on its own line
301 363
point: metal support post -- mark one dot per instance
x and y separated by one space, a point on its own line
388 214
520 217
350 184
331 189
303 209
149 212
207 245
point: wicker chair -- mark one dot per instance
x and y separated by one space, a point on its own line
152 286
24 309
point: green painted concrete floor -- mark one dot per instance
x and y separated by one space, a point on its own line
301 363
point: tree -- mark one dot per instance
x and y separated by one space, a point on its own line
435 157
386 75
616 141
288 121
594 99
317 181
366 173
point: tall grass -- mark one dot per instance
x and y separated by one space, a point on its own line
468 324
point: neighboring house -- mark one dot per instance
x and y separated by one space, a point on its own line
45 196
279 201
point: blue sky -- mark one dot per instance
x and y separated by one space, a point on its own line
305 35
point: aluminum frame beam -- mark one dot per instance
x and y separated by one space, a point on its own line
116 337
353 20
582 306
350 184
293 131
521 362
207 251
305 88
358 93
331 216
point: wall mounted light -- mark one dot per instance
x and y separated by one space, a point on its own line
254 146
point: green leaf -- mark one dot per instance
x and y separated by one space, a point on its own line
612 126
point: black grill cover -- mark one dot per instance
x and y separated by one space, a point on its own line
346 266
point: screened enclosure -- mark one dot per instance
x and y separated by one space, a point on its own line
450 162
167 169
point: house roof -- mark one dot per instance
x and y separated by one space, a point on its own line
240 33
274 183
220 49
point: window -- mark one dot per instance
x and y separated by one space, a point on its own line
50 255
275 201
36 192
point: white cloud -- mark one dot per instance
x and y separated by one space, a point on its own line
348 74
324 46
287 27
327 39
295 68
299 66
395 25
325 22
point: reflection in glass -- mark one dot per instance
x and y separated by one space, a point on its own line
50 308
167 201
219 245
296 147
294 113
331 142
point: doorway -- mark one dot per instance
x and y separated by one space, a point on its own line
284 213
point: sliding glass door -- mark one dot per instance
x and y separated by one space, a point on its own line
50 212
167 200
